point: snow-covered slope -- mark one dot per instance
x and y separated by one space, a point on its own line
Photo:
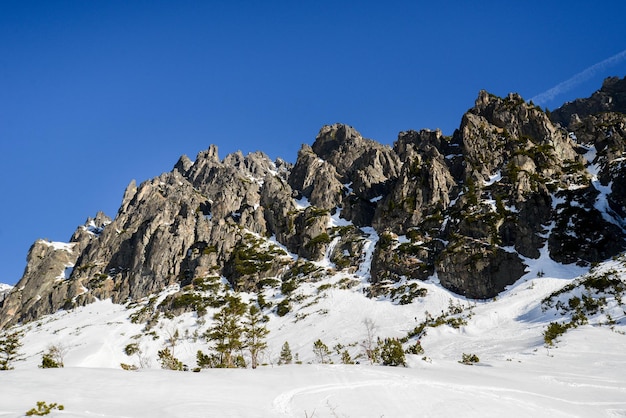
4 290
582 374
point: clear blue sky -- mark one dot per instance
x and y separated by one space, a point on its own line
96 93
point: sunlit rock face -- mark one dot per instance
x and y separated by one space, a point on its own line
511 184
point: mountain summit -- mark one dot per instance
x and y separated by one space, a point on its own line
474 210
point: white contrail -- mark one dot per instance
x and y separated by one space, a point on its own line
586 74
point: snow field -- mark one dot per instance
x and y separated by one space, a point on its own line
568 384
517 376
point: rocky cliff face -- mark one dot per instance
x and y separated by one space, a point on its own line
610 98
510 185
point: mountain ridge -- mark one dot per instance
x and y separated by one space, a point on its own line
470 208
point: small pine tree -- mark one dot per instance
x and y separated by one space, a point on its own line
168 361
240 362
207 361
345 357
48 362
283 307
128 367
469 359
227 332
553 331
131 349
204 361
285 354
391 352
10 345
53 357
43 409
255 333
321 351
416 348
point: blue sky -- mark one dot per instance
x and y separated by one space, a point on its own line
94 94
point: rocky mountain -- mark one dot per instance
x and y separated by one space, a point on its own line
471 210
610 98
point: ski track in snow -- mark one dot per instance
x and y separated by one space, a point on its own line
282 403
526 401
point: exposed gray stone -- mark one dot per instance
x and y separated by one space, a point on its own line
459 267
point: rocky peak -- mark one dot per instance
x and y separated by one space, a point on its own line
183 164
334 141
497 129
506 151
343 169
91 230
47 264
610 98
129 195
346 150
411 143
316 179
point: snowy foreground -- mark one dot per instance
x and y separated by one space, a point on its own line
584 375
575 382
